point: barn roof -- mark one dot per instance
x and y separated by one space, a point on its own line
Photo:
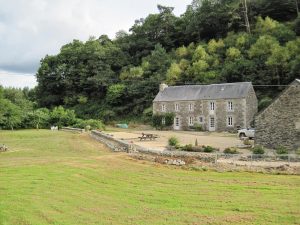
201 92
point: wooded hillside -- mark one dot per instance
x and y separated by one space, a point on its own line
211 42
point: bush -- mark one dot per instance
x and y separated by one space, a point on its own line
281 150
198 127
188 148
89 124
208 149
247 142
259 150
231 151
169 119
173 141
157 121
147 114
158 118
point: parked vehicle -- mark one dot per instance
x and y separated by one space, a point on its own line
246 132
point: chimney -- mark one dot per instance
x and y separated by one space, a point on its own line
162 86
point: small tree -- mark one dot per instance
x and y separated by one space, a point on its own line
259 150
157 121
173 141
169 119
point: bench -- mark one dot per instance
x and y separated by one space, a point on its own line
150 137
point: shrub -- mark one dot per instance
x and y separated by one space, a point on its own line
89 124
198 127
173 141
157 121
169 119
247 142
208 149
231 151
281 150
259 150
147 114
188 148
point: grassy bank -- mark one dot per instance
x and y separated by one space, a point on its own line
64 178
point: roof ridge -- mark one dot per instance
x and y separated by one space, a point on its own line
195 85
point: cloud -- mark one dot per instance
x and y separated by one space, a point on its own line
30 29
8 79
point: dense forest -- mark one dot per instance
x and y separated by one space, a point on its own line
214 41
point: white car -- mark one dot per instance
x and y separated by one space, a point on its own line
247 132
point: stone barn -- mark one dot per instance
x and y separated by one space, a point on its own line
216 107
279 124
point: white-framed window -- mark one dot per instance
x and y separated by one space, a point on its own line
191 121
191 107
163 121
201 119
163 107
176 107
230 106
229 121
212 106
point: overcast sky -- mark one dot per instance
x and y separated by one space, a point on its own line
30 29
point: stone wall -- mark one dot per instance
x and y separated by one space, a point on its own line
279 124
251 108
110 141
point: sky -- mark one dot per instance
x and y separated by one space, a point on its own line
30 29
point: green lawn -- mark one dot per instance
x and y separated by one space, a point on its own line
63 178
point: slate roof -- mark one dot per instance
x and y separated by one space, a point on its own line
204 92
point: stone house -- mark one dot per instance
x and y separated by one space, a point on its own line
216 107
279 124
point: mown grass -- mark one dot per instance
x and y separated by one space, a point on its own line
64 178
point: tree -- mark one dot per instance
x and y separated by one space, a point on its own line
62 117
40 118
10 114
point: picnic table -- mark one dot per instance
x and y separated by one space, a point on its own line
148 136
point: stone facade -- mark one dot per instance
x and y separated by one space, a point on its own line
189 113
279 124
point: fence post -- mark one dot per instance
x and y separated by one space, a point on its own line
289 158
216 158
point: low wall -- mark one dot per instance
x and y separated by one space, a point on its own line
122 145
72 129
110 141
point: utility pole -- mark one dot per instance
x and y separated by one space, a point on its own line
245 11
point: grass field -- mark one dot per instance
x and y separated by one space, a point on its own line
63 178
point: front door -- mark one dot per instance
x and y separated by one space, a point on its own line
212 124
176 123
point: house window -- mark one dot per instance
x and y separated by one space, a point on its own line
201 119
191 107
176 107
191 121
229 106
163 121
229 121
212 106
163 108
